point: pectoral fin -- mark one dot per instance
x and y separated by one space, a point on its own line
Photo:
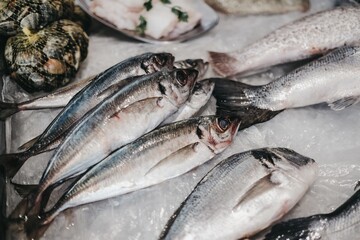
260 187
344 103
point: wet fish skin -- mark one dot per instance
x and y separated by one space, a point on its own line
118 120
199 97
332 78
164 153
341 224
309 36
56 99
101 87
227 202
61 97
249 7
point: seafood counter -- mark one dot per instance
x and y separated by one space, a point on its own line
150 143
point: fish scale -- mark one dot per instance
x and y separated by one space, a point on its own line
227 202
312 35
85 145
151 159
87 99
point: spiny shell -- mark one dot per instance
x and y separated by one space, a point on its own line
31 14
47 59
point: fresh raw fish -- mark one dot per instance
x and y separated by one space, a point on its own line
309 36
160 155
341 224
242 195
101 87
120 119
333 78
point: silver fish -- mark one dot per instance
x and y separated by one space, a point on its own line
56 99
249 7
309 36
341 224
61 97
199 97
101 87
120 119
334 79
162 154
242 195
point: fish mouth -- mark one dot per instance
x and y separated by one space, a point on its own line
293 157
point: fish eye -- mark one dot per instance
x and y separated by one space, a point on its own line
223 124
181 77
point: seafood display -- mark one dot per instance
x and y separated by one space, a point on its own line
331 79
149 146
271 181
343 223
162 154
61 97
157 19
249 7
309 36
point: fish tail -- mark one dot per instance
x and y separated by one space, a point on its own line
13 162
299 228
223 63
28 144
232 100
7 109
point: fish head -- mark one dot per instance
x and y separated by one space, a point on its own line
218 132
177 85
157 61
198 64
201 93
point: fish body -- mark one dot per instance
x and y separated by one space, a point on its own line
332 78
61 97
309 36
199 97
162 154
101 87
242 195
250 7
341 224
121 118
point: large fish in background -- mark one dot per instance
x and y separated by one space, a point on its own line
312 35
333 78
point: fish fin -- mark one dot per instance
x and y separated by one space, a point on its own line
24 189
357 186
232 100
28 144
294 229
117 86
260 187
175 159
12 162
223 64
344 103
7 109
